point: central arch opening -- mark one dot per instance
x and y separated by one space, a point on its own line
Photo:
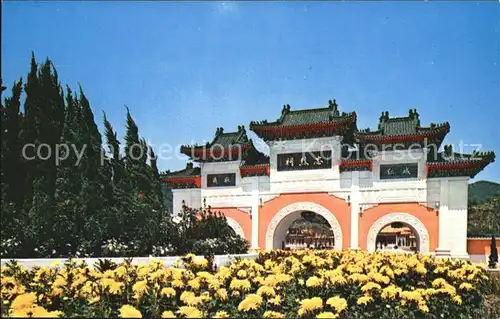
310 230
304 229
398 236
277 229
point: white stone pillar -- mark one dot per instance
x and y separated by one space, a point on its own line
458 198
444 227
355 199
255 214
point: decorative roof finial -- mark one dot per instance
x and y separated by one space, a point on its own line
448 150
189 165
219 131
332 105
415 113
283 111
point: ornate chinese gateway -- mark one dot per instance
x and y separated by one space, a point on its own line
360 181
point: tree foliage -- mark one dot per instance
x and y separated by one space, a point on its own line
484 219
96 200
203 231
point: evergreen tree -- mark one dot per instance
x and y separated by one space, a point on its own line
119 199
493 260
11 148
69 214
95 179
42 127
60 208
11 179
29 134
145 206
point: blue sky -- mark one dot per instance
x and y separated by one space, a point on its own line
186 68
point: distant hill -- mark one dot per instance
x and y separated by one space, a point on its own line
484 218
482 191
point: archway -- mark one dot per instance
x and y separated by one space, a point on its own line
398 236
310 230
281 222
410 221
234 225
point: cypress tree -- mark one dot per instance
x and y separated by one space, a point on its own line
146 205
493 260
11 163
11 148
68 184
29 131
137 210
95 179
46 106
118 200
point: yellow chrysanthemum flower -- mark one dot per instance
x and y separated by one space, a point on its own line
221 314
168 314
364 300
266 291
128 311
422 306
177 283
273 314
240 284
275 301
338 303
168 292
23 301
466 286
221 294
310 305
251 302
314 282
457 299
191 312
370 286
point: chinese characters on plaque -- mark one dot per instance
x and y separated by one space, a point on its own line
399 171
216 180
305 161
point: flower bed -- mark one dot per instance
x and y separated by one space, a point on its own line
323 284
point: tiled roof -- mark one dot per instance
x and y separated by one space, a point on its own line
224 146
190 177
448 156
405 125
449 163
309 116
405 130
254 170
190 170
308 123
400 125
305 116
231 138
